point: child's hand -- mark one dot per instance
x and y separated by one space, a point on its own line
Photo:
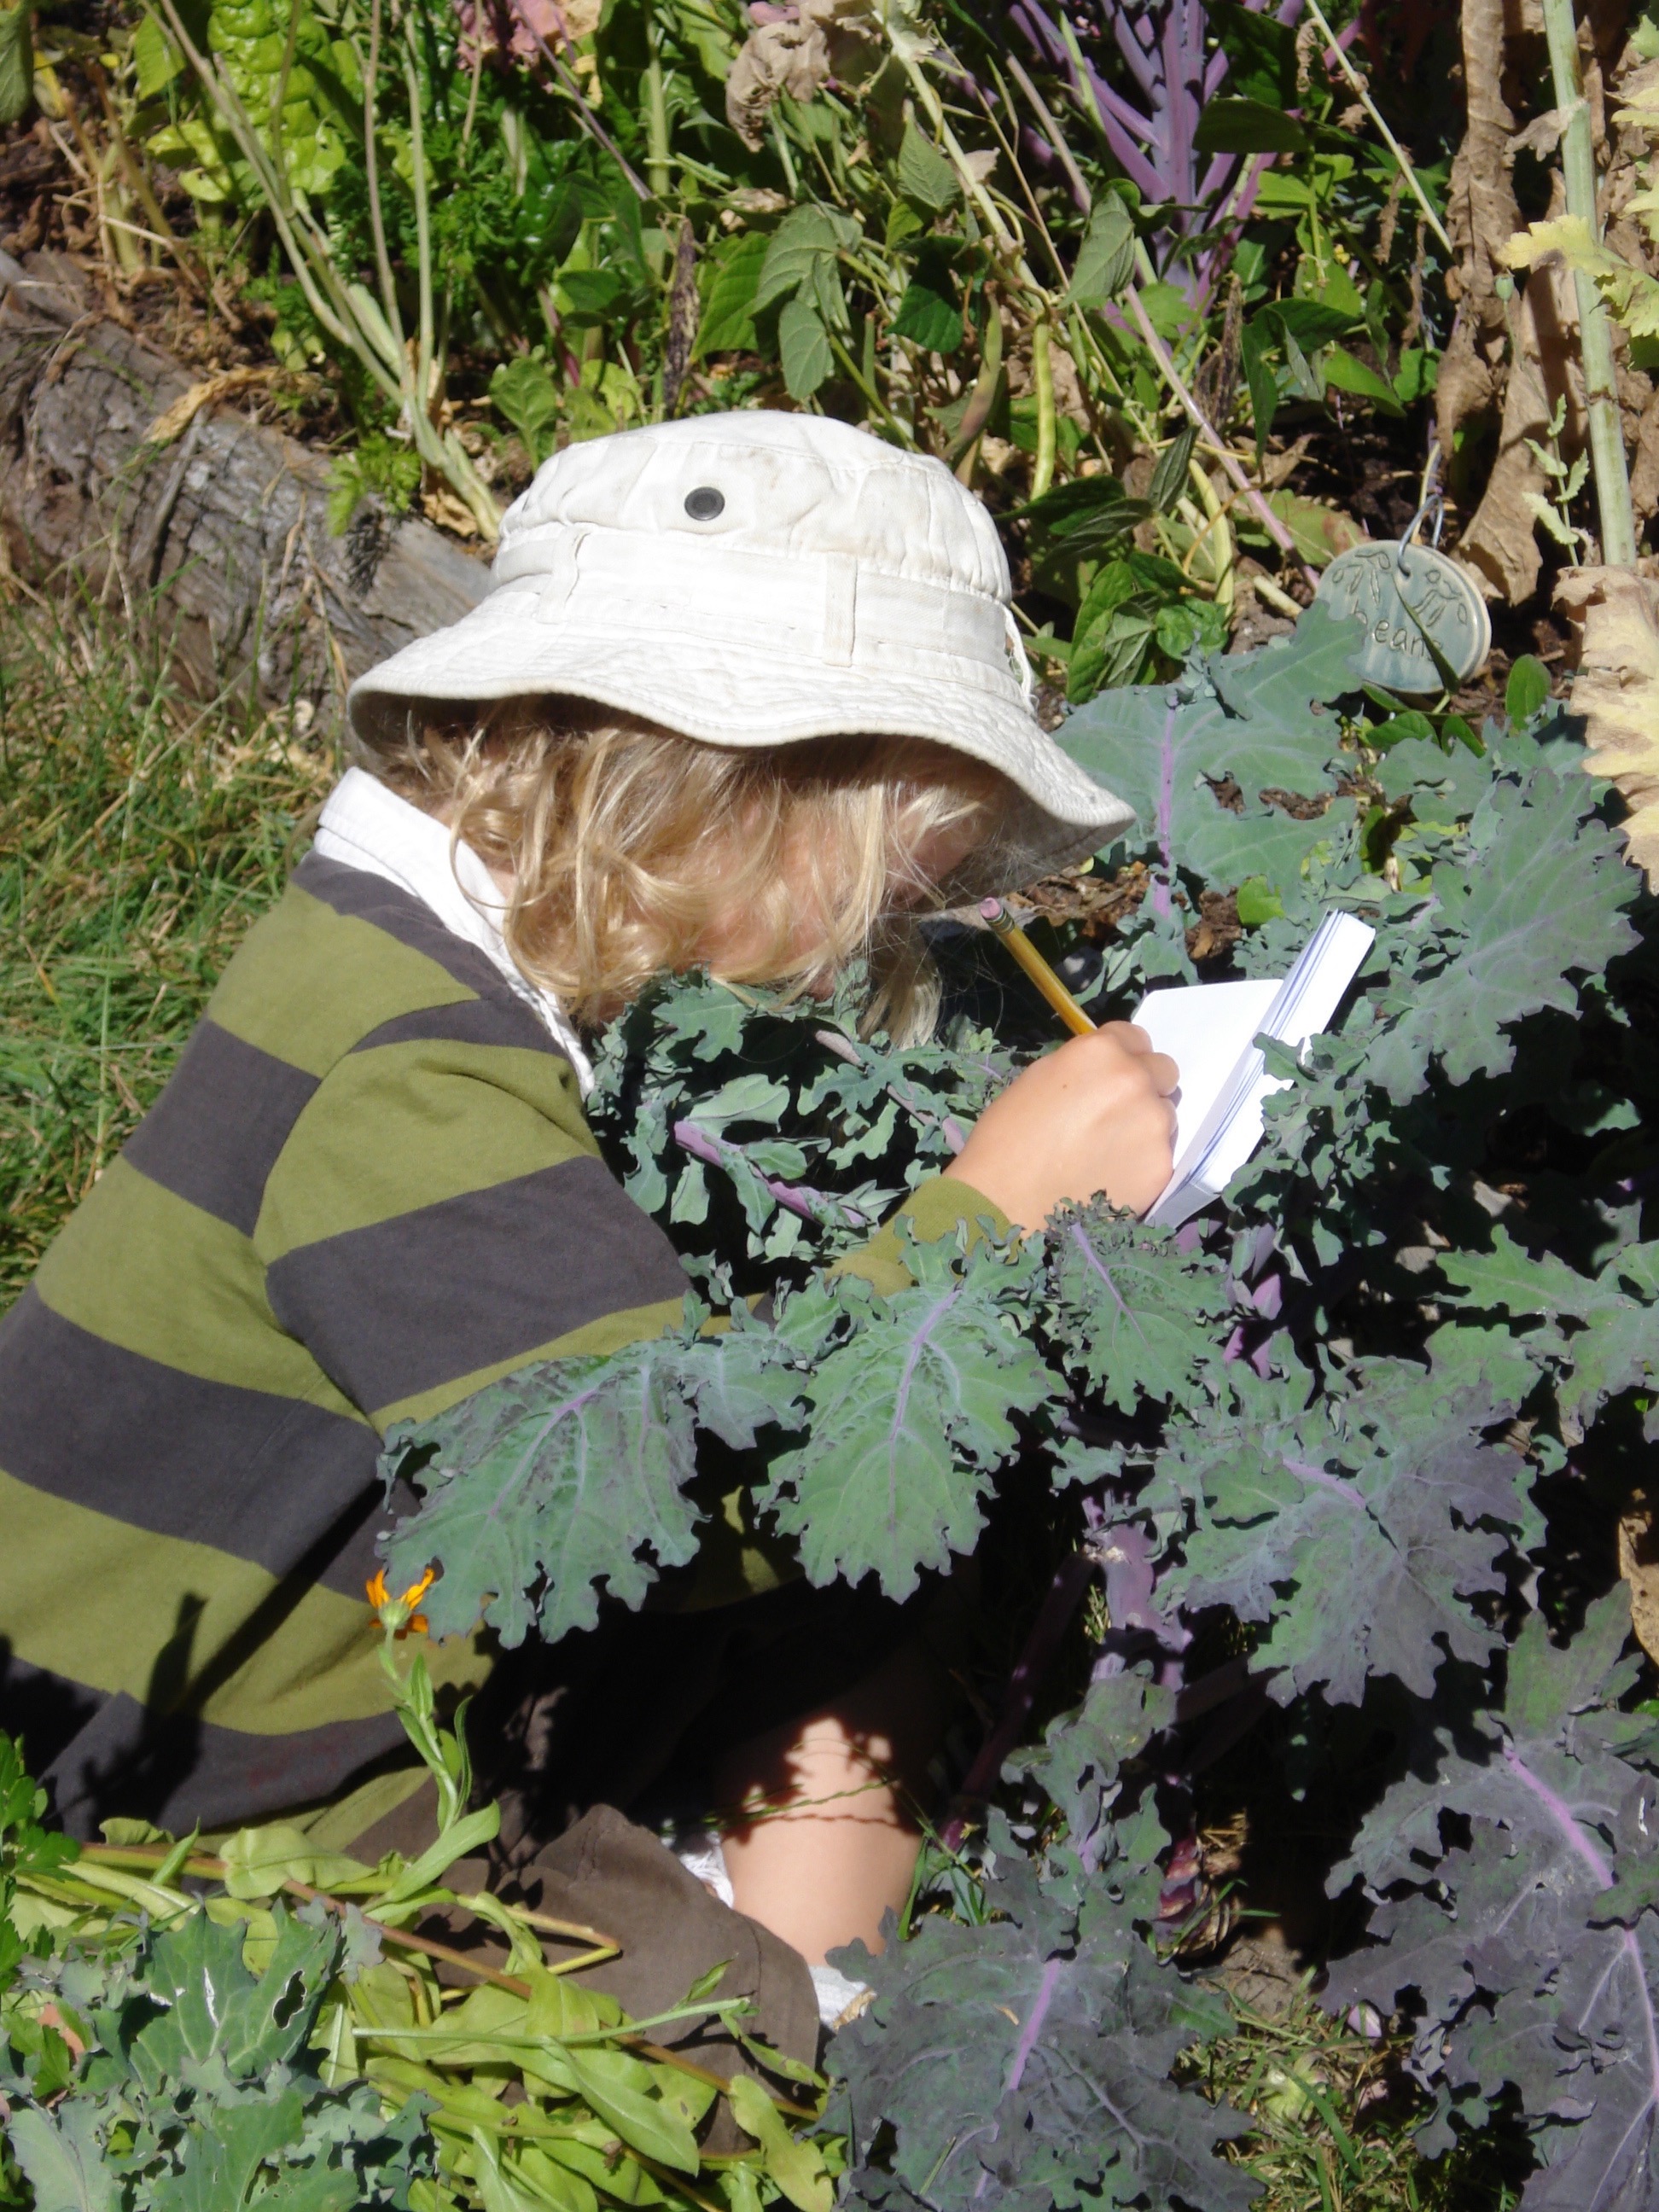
1094 1117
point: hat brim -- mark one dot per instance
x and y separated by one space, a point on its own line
727 694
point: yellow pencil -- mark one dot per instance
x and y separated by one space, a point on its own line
1036 967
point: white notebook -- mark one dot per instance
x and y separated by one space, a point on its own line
1209 1031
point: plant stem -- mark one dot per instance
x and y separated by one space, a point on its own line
590 122
1402 157
1042 376
1607 436
1195 414
372 166
656 118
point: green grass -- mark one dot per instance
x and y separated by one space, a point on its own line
140 831
1335 2116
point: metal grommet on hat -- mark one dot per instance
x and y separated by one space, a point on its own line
703 504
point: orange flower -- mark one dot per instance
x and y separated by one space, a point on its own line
399 1614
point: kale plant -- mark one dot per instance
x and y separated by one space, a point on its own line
1345 1455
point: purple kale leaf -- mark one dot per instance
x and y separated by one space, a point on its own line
1135 1316
906 1412
537 1489
1026 2063
1082 1754
1254 724
1518 1859
1357 1530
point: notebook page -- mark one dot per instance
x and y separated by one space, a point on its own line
1207 1028
1304 1006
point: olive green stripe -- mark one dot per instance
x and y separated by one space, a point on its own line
933 1209
121 1609
149 1271
403 1125
628 1325
306 983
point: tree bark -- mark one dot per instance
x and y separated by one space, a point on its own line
219 539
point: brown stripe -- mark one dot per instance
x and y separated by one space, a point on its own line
213 1135
399 1308
474 1022
367 897
263 1478
101 1757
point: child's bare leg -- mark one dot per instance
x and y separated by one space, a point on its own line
829 1840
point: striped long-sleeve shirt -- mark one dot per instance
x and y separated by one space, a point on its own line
369 1189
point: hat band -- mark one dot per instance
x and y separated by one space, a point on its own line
829 608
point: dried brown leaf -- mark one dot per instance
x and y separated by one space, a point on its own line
173 420
1617 692
1638 1563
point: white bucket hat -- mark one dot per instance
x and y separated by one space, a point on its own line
757 579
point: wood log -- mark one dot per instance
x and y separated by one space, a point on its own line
217 538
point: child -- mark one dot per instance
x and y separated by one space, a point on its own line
743 696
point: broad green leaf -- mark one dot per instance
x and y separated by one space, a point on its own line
260 1860
1083 1752
1527 689
1253 345
560 1477
1258 902
728 310
1348 374
928 318
16 61
220 2021
1359 1535
804 349
1170 473
1129 1312
1168 754
925 175
1106 259
1601 1334
1517 928
1231 125
907 1422
63 2159
1187 626
807 235
222 2162
156 60
797 2168
1319 530
620 2089
1309 323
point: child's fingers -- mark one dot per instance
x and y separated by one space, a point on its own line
1128 1035
1162 1072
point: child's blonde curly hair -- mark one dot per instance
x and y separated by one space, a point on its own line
627 845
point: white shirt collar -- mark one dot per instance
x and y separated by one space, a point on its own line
368 826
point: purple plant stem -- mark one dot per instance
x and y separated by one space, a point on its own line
1061 1602
1586 1853
1047 1985
589 121
820 1206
